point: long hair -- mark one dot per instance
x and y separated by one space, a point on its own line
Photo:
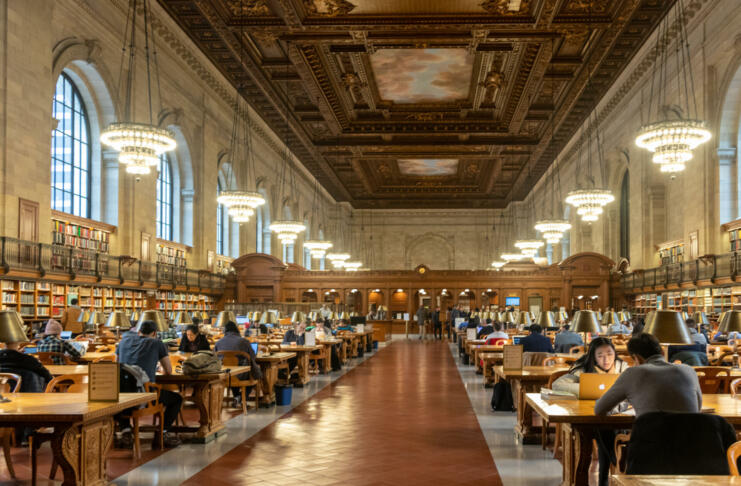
588 361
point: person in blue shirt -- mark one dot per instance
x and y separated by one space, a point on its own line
536 342
566 339
696 336
618 328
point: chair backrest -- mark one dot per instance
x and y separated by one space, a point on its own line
735 386
47 358
496 341
111 358
577 350
67 384
732 455
10 383
152 388
232 358
105 348
713 379
553 361
659 444
555 376
533 358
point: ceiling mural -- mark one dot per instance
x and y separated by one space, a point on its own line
422 75
428 167
420 104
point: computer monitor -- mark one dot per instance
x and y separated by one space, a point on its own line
355 320
254 347
242 320
512 301
66 335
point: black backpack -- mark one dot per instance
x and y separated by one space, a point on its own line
501 398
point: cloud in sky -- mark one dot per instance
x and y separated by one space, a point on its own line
428 167
422 75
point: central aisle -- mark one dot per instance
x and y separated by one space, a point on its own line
402 417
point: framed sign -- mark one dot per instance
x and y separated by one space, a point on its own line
103 384
512 357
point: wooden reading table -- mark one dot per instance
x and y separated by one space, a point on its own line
648 480
302 357
579 424
269 364
83 431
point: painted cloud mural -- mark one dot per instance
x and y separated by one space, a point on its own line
428 167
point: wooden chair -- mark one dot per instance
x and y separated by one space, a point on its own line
578 350
111 358
105 348
6 433
154 409
735 387
712 379
553 361
47 358
723 359
316 356
231 358
60 384
732 454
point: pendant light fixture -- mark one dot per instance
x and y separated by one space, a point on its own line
139 145
352 266
337 257
318 247
672 140
287 230
529 247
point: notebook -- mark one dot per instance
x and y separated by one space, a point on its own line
593 385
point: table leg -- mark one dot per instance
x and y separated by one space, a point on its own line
577 454
208 398
81 450
269 379
525 429
302 365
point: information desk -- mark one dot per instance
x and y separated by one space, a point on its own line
382 330
83 431
579 424
208 396
528 379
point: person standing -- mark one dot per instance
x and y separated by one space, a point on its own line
436 324
70 317
422 321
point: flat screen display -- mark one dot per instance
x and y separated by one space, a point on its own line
512 301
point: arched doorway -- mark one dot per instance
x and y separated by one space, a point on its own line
309 295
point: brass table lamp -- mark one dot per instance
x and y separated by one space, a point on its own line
223 317
155 316
668 327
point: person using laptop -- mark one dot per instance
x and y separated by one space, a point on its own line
600 358
497 332
53 344
567 339
193 341
232 341
536 342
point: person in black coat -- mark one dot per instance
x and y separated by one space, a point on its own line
485 330
34 376
536 342
437 326
193 341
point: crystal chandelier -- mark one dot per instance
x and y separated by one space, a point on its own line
352 266
528 247
589 202
139 145
498 264
552 229
287 231
338 259
317 248
241 213
512 257
672 140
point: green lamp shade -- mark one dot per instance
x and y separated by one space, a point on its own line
223 317
182 317
155 316
585 321
118 320
546 319
730 321
668 327
12 329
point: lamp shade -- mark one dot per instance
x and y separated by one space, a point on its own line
509 316
298 316
668 327
585 321
563 315
268 317
182 317
118 320
546 319
12 329
685 316
96 318
609 318
223 317
524 318
313 316
154 316
624 316
135 316
344 315
700 318
730 321
84 316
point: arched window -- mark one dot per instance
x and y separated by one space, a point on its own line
221 225
70 151
164 199
625 217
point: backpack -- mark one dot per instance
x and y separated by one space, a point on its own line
501 398
202 362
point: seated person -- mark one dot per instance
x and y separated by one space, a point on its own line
536 342
296 335
321 330
497 333
617 328
343 325
599 358
232 341
34 376
464 324
144 350
193 340
653 385
53 344
696 336
485 330
689 354
567 339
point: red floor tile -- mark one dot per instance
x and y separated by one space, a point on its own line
402 417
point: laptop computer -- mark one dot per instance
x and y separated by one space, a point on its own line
30 349
593 385
254 347
66 335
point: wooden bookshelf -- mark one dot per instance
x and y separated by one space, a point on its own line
81 233
171 253
671 252
711 300
170 302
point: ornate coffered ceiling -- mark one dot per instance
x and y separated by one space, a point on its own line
467 90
